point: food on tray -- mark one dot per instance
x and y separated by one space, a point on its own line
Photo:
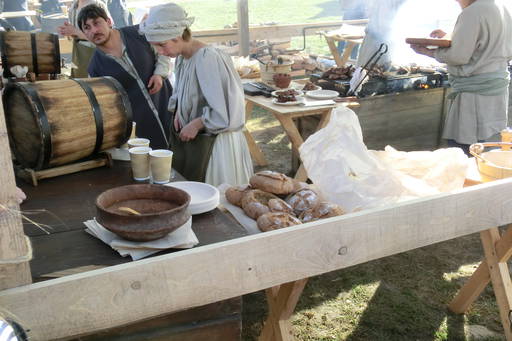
303 200
272 182
281 98
344 72
289 92
234 194
309 86
262 201
276 220
255 202
279 205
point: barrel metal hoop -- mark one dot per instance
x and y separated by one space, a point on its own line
56 46
33 42
126 103
7 71
46 135
96 111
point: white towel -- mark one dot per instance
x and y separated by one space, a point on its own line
181 238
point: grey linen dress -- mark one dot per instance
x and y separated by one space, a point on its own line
208 87
481 43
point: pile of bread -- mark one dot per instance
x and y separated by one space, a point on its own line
275 201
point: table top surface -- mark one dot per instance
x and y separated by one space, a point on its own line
63 203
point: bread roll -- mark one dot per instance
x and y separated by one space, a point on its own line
326 210
307 216
276 220
303 200
272 182
255 202
278 205
299 185
234 194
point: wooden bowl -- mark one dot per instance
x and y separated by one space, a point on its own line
162 210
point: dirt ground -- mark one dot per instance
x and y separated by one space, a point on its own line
402 297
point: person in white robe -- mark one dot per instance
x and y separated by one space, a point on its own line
477 63
207 101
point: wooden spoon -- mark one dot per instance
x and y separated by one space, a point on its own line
128 210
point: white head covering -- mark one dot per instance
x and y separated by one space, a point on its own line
165 22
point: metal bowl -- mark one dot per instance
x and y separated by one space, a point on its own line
162 210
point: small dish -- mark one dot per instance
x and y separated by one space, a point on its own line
316 87
322 94
203 197
299 100
297 92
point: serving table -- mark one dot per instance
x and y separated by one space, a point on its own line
61 205
286 115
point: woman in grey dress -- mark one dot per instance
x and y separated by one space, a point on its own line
207 101
477 64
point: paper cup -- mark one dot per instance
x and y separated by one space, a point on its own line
139 157
138 142
161 164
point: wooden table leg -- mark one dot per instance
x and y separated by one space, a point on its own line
255 151
281 301
349 46
334 50
498 249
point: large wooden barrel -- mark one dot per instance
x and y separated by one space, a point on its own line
51 123
40 52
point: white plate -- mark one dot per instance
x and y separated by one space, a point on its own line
299 100
298 92
322 94
203 197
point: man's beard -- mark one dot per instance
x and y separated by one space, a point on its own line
105 40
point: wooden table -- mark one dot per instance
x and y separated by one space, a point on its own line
65 202
351 42
286 115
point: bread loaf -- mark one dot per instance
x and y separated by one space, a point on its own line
327 210
276 220
234 194
303 200
255 202
278 205
272 182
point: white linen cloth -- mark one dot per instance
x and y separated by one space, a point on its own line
480 44
182 238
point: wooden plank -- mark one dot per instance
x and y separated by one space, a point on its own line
243 27
14 247
17 14
74 305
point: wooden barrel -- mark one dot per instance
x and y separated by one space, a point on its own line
51 123
40 52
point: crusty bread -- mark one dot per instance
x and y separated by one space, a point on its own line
278 205
303 200
326 210
272 182
255 202
299 185
276 220
234 194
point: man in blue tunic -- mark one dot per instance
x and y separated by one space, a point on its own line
125 55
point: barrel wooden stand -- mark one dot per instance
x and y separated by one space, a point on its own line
32 176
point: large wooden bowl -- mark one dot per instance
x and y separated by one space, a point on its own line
162 210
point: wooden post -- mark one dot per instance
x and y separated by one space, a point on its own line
243 27
14 248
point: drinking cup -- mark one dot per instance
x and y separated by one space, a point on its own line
138 142
139 157
161 164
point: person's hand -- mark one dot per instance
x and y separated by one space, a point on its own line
189 132
155 84
67 30
420 49
438 33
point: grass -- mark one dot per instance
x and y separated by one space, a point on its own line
402 297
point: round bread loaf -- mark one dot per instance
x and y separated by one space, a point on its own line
279 205
326 210
255 202
234 194
307 216
272 182
303 200
299 185
276 220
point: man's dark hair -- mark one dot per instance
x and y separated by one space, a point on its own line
90 12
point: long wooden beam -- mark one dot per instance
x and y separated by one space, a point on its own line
118 295
14 249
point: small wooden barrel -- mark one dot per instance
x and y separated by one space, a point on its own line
495 164
268 70
51 123
39 51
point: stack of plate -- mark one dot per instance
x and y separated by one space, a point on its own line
203 197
